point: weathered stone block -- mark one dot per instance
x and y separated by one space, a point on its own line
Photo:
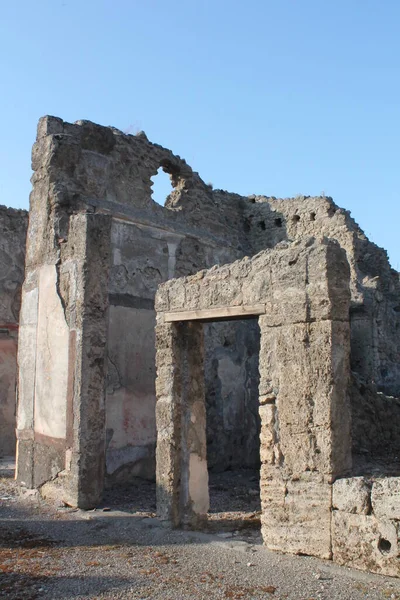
365 542
296 515
49 125
352 495
385 498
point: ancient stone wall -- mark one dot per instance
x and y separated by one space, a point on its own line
301 295
13 225
375 429
84 169
365 518
375 288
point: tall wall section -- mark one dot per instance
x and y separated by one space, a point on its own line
13 225
375 286
92 188
374 314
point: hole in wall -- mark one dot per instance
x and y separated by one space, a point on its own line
161 186
262 225
312 216
331 211
384 546
278 222
296 218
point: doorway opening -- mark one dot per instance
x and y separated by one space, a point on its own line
231 360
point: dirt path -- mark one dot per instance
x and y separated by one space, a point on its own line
64 554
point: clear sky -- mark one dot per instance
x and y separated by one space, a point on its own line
275 97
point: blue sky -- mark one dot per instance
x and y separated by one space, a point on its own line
270 97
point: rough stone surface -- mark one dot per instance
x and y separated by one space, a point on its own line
385 498
375 287
231 378
304 373
13 226
352 496
365 542
98 248
375 428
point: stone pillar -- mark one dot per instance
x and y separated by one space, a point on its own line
88 319
304 408
62 369
182 476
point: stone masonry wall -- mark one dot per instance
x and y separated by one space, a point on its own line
375 287
13 226
304 371
365 521
85 169
310 504
375 429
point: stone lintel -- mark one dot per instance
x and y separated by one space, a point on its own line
216 314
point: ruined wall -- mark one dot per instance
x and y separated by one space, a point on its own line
86 169
142 257
365 520
374 314
13 225
310 502
375 429
375 288
301 292
83 173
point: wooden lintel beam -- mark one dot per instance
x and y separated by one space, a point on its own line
223 313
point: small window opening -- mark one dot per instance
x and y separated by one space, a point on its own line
261 225
331 211
384 546
278 222
296 218
161 187
312 216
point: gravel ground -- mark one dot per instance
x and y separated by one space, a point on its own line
122 551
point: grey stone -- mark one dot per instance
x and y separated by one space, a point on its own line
279 391
352 495
385 498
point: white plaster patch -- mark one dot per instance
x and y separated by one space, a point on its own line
29 307
172 246
117 256
198 484
27 359
51 359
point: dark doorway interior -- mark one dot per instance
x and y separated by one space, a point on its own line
233 422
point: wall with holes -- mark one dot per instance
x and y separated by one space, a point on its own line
375 306
85 169
365 517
